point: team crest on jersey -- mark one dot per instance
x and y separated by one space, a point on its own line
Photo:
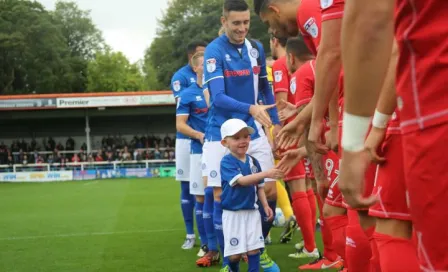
254 53
326 3
180 172
228 57
256 70
211 65
292 85
195 185
278 76
176 85
213 174
234 242
254 169
311 27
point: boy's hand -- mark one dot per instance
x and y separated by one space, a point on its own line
275 173
269 213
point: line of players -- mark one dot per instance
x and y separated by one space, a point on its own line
359 238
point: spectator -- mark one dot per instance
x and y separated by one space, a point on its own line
39 159
70 144
126 156
110 156
50 159
83 147
90 159
99 156
75 158
51 143
25 160
33 144
60 146
10 160
157 154
167 141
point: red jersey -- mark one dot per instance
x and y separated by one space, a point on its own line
332 9
281 78
422 36
302 83
309 23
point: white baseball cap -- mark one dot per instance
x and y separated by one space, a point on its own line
233 126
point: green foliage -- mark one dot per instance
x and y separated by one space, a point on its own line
112 71
186 21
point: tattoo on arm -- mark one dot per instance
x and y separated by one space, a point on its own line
316 161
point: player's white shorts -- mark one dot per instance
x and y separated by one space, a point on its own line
183 159
196 185
242 231
213 152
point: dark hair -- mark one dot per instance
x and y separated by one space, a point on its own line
260 5
235 5
281 41
191 47
298 48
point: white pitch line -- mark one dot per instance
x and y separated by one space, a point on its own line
83 234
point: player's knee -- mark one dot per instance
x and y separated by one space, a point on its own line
217 191
235 258
253 252
270 190
200 198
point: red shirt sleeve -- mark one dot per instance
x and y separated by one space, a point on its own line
304 83
332 9
280 76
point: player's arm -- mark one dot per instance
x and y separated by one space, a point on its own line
178 84
368 37
328 69
182 114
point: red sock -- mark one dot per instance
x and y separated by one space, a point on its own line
327 238
338 224
302 211
312 201
375 259
396 254
357 251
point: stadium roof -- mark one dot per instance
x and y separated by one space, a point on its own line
85 100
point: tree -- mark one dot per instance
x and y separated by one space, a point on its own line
185 21
111 71
82 37
32 50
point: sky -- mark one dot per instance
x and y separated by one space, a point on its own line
128 26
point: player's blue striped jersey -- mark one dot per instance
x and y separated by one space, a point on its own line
181 80
236 75
234 196
191 102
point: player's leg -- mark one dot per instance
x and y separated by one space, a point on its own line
302 211
186 199
393 234
254 240
261 150
426 175
213 152
198 190
285 205
211 158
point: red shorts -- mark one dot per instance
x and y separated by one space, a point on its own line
308 168
390 184
426 172
331 165
298 172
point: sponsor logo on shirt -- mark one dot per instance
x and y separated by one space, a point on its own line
236 73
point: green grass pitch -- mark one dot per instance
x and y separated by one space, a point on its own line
110 225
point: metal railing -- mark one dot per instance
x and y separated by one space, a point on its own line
83 165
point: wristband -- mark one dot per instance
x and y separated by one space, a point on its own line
380 120
354 132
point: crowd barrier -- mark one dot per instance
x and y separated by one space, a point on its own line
88 171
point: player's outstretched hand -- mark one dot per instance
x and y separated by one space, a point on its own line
373 142
332 139
351 179
290 159
275 173
288 110
290 134
259 112
314 143
269 212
